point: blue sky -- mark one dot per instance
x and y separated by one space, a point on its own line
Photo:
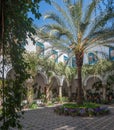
44 7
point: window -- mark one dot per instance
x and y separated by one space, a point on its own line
40 48
73 62
54 55
65 59
92 58
111 53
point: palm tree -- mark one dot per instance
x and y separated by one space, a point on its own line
77 29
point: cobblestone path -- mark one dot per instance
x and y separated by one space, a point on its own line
46 119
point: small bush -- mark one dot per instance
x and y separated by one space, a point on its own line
65 99
56 99
33 105
87 109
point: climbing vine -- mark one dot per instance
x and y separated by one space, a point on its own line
15 28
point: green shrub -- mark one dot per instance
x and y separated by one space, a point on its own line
33 105
91 105
56 99
65 99
85 105
87 109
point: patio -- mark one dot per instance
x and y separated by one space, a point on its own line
45 119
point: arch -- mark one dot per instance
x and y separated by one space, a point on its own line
55 86
11 74
92 84
67 82
7 69
65 88
56 79
39 86
44 77
91 76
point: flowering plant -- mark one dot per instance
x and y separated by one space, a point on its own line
74 110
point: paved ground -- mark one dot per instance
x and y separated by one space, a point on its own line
46 119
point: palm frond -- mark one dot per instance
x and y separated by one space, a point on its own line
75 11
111 46
67 2
101 39
59 31
100 21
101 34
98 43
55 17
65 15
89 10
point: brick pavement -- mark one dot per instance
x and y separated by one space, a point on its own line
46 119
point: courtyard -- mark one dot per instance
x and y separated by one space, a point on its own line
45 119
67 56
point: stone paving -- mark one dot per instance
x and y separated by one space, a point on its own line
46 119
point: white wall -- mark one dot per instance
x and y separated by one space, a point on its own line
32 48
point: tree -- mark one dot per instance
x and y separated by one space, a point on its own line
102 66
15 28
78 29
32 59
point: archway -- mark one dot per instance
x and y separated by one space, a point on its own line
94 78
39 86
93 88
55 84
11 74
65 88
93 84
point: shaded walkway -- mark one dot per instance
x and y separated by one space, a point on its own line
46 119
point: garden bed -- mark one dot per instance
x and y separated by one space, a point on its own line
87 109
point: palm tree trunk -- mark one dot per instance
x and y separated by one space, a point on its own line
79 94
79 63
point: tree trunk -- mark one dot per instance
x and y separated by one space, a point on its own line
80 91
104 92
79 63
69 92
60 93
48 92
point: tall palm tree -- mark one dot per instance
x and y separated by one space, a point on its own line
77 29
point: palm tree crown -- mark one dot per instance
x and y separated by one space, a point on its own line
78 28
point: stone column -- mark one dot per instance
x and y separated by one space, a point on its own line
104 92
47 92
84 91
69 91
60 93
61 79
29 83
